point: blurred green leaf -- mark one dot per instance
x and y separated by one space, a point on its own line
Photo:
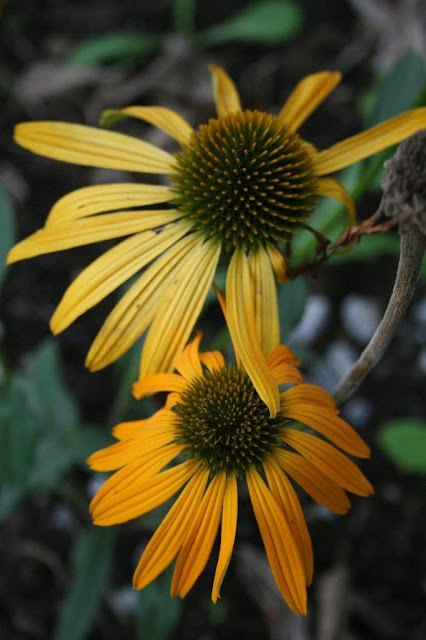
91 562
270 22
403 440
157 615
85 440
7 228
9 499
292 298
184 17
52 459
115 47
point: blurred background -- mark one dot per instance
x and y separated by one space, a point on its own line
64 579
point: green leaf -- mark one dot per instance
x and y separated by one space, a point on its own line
269 23
85 440
157 615
292 298
9 499
403 440
115 47
91 560
7 228
52 459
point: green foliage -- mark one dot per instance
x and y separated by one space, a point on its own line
270 22
157 614
403 440
91 564
292 298
123 47
7 228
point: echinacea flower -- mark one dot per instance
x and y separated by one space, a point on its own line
241 184
217 430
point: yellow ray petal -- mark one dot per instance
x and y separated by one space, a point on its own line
265 300
188 363
315 483
89 230
281 549
200 537
307 96
330 461
227 534
92 147
282 355
172 399
278 262
125 430
106 197
286 497
225 92
334 189
309 393
241 322
285 373
158 382
165 119
179 308
168 538
110 270
213 360
369 142
136 309
141 497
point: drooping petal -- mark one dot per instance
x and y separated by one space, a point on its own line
278 262
307 96
143 496
315 483
282 355
135 311
166 542
265 300
179 308
309 393
241 323
188 363
227 535
334 189
367 143
330 461
110 270
158 382
165 119
286 373
200 537
213 360
89 201
281 549
89 230
92 147
286 497
226 95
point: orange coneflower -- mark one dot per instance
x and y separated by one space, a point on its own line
240 184
217 426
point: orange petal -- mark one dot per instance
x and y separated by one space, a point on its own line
126 430
158 382
213 360
282 355
188 363
227 536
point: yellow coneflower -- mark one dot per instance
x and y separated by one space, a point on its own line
240 184
221 432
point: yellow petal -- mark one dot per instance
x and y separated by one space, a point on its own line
200 537
110 270
278 262
225 93
92 147
241 323
227 534
213 360
106 197
369 142
265 300
334 189
136 309
89 230
158 382
281 549
125 430
162 118
188 363
179 308
168 538
329 461
282 355
286 497
309 393
307 96
315 483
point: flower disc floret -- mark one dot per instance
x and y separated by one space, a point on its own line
245 179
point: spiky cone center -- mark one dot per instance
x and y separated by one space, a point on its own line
245 179
224 424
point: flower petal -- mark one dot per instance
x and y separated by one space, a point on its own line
213 360
188 363
168 538
265 300
125 430
179 308
330 461
227 534
226 95
369 142
280 547
92 147
241 323
334 189
282 355
307 96
165 119
158 382
278 262
110 270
